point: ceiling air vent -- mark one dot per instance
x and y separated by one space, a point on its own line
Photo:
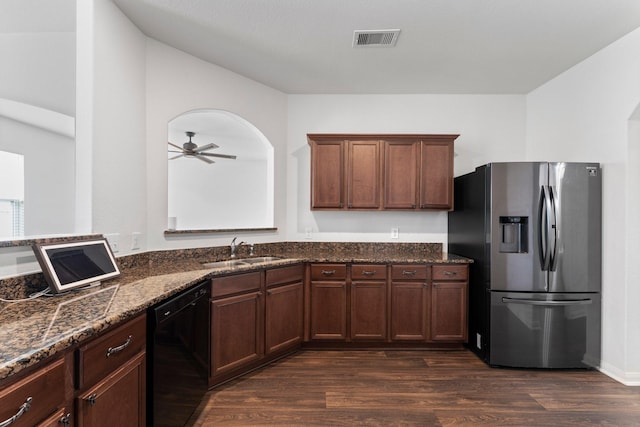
375 38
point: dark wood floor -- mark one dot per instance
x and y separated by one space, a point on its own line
416 388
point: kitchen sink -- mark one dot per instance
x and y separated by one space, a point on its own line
226 264
231 263
258 260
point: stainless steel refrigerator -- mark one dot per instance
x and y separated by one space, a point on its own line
534 233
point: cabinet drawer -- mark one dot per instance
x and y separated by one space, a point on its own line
280 276
108 352
409 272
239 283
368 271
328 271
450 272
36 397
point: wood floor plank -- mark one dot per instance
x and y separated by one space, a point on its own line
415 388
503 401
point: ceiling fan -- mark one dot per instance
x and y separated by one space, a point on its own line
191 149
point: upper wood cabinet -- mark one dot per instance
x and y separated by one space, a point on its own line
401 171
436 174
363 174
381 172
327 174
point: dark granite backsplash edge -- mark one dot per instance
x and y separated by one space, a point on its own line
21 286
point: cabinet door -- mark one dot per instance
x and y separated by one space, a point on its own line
236 335
35 397
369 310
118 399
449 311
400 174
363 175
327 175
436 178
284 317
409 311
329 310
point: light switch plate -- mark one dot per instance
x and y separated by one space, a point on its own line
135 240
394 233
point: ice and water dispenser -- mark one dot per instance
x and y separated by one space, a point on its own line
514 231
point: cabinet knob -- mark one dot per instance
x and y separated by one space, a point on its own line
368 273
409 273
21 410
91 399
66 420
450 273
328 272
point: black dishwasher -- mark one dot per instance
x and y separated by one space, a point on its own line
178 356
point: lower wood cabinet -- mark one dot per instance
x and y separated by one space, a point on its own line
414 303
116 400
37 399
449 304
328 289
236 322
254 316
410 303
283 317
236 331
368 312
112 377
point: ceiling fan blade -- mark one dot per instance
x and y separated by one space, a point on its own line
204 159
176 146
174 151
222 156
206 147
176 157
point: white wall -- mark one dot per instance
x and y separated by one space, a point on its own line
38 69
491 128
583 115
118 138
178 82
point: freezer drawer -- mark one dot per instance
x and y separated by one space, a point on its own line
537 330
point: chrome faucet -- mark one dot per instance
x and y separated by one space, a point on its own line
234 246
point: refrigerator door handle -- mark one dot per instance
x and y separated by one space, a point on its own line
544 214
507 300
553 230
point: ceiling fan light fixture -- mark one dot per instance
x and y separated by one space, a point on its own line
191 150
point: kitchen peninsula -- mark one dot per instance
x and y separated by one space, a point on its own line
56 331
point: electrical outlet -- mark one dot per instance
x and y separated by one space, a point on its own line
394 233
307 233
135 240
114 241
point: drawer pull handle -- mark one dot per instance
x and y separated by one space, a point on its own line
328 272
408 273
368 273
450 273
23 408
114 350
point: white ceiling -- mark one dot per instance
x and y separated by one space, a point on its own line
446 46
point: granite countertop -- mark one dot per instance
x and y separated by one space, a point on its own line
33 330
